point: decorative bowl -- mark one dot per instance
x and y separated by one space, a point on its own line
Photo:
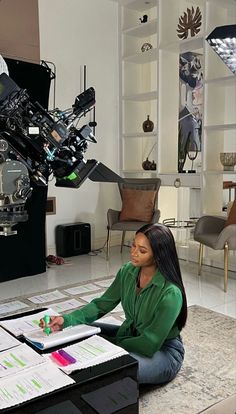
228 160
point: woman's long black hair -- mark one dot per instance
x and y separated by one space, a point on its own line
165 255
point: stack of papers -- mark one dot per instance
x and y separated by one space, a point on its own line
43 341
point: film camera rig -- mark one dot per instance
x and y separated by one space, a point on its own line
36 144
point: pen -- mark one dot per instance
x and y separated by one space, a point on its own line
59 359
67 356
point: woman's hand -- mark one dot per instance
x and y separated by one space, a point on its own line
56 323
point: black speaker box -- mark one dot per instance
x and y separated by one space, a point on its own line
73 239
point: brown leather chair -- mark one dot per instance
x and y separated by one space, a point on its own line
114 217
215 232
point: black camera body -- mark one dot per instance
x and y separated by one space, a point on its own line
47 142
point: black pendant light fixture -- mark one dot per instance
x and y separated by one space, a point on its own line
223 42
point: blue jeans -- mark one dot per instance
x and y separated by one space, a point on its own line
162 367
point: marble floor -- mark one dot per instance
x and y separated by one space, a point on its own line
206 290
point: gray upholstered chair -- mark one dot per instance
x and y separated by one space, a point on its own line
213 232
143 193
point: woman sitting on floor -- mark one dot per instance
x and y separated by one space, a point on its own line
151 291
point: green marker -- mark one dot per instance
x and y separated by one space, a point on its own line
47 330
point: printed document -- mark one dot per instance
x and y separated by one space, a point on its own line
17 359
92 296
47 297
76 290
31 383
24 324
105 283
42 341
10 307
60 307
7 341
91 351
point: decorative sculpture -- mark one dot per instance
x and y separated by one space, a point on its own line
144 19
146 46
189 22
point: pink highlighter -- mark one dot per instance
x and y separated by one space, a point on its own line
59 359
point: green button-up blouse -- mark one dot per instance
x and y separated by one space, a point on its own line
150 315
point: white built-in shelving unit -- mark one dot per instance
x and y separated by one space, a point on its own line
149 85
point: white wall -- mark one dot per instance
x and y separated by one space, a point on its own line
74 33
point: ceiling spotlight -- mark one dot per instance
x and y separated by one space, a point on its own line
223 42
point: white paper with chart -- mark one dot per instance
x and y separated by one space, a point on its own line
91 351
18 359
31 383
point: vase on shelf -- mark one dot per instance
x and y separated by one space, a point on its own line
228 160
147 164
148 125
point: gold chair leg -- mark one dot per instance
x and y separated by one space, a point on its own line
122 241
108 244
200 255
226 259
